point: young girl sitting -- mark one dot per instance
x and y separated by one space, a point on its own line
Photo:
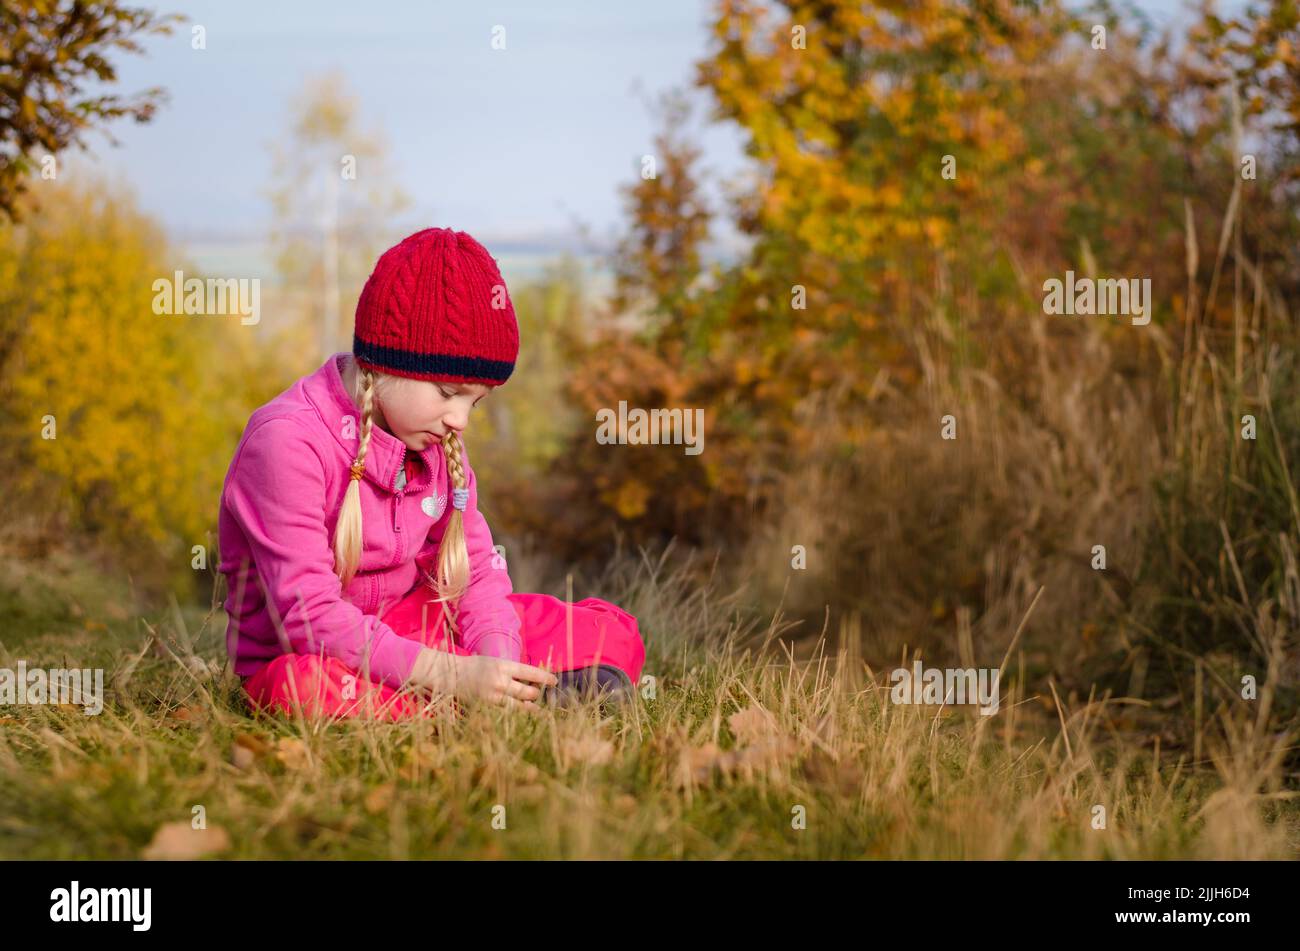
347 489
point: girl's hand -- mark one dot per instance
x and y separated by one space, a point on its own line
500 681
488 678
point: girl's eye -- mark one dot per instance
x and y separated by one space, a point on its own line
447 396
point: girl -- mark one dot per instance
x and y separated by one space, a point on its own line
357 561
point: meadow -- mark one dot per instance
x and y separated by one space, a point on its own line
738 748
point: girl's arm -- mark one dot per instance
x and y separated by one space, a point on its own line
276 493
488 622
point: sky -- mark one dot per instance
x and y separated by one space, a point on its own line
522 147
520 143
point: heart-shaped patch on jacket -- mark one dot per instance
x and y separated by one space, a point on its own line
433 505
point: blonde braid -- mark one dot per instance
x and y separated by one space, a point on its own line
347 533
453 556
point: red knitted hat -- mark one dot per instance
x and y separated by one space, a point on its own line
435 308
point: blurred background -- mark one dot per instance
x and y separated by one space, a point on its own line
826 224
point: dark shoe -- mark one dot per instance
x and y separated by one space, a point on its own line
606 682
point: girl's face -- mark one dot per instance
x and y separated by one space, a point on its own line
421 412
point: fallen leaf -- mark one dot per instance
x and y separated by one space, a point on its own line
753 725
764 755
292 752
587 748
625 804
697 763
378 799
177 840
845 775
247 750
189 714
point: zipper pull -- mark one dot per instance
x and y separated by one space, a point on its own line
399 490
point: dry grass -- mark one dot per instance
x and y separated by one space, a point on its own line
1070 433
743 751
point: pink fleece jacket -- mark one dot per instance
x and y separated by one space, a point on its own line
280 502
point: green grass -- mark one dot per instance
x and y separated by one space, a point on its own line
678 775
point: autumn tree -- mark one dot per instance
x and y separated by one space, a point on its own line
119 420
659 257
50 50
918 170
641 347
333 199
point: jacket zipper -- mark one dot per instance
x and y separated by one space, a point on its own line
397 501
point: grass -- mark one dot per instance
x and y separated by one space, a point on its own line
744 750
1122 731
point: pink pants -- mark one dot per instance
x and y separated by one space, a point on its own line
557 635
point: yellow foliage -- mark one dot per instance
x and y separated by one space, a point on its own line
142 410
631 498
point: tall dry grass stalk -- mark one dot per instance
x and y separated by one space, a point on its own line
1072 433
